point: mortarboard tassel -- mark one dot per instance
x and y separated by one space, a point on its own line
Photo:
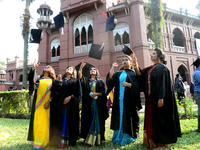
193 68
103 14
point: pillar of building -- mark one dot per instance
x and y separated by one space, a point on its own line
138 35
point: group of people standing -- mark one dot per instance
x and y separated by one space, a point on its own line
55 109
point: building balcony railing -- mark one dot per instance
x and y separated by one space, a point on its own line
53 59
118 47
83 48
44 19
179 49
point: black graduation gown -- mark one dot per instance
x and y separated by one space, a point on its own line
165 120
132 103
60 91
86 118
33 85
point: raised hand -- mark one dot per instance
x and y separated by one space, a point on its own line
115 65
82 64
59 77
35 64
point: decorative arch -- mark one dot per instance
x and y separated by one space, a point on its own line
83 20
120 29
178 37
55 43
84 24
121 35
182 70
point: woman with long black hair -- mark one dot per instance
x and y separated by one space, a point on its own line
40 87
161 126
66 94
126 103
94 110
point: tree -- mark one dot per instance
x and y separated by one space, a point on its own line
156 17
25 33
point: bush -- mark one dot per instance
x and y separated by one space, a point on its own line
185 108
14 102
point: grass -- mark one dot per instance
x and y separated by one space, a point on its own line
18 130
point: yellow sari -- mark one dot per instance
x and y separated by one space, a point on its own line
42 116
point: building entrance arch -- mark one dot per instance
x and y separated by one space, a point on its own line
183 72
86 69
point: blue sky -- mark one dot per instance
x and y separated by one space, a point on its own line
11 40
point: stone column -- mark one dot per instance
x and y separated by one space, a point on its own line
193 50
170 39
186 44
138 35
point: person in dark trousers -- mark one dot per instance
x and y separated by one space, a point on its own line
196 80
161 126
179 87
192 89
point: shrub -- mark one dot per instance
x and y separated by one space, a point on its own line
14 102
185 108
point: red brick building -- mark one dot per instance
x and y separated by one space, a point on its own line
86 25
12 77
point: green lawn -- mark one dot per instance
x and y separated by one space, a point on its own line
18 130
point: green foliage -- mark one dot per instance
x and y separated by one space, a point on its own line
18 131
14 102
156 17
185 108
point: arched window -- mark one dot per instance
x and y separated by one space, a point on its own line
58 52
90 35
83 40
178 40
121 30
126 38
83 23
21 78
196 36
55 45
77 38
53 52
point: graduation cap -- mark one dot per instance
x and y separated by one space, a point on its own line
196 63
111 23
59 20
36 35
96 51
128 51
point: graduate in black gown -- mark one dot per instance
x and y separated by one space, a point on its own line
65 124
126 103
161 126
94 110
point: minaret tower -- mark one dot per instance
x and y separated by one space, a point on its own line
45 12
